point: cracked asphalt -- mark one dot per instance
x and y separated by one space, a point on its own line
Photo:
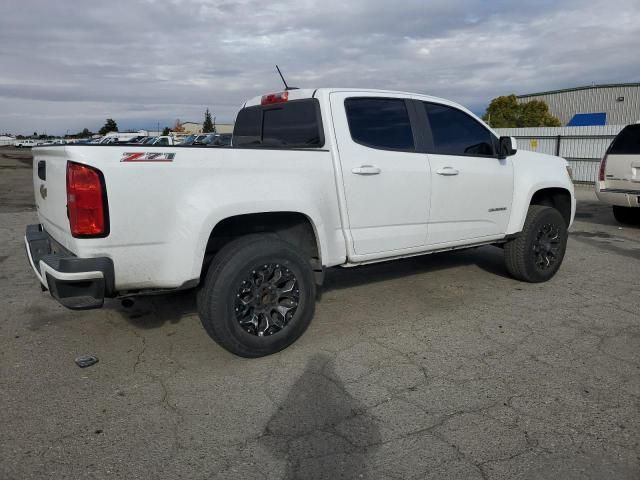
436 367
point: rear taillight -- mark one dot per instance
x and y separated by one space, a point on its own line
86 201
603 167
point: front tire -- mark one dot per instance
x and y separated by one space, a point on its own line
627 215
536 255
258 296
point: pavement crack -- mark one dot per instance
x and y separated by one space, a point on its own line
141 352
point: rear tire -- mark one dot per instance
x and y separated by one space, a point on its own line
258 296
536 255
627 215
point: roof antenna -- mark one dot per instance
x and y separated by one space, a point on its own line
286 87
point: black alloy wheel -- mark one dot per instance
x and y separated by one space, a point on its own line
267 299
536 254
258 296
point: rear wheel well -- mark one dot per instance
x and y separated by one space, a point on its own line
558 198
292 227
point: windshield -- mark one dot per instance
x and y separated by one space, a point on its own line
209 139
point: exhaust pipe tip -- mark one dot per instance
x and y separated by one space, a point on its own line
128 302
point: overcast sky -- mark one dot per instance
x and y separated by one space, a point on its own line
71 64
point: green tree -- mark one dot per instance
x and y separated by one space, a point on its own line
536 114
166 131
506 112
109 126
85 133
207 125
502 112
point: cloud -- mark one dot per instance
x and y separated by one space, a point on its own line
67 65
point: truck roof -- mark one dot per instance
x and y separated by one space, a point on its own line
301 93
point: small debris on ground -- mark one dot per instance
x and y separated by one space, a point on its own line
84 361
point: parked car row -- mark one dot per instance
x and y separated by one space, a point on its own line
205 139
28 142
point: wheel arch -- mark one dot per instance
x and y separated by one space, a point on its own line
560 197
555 197
294 227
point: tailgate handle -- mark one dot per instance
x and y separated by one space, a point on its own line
42 170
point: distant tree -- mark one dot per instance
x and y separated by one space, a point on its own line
506 112
166 131
503 112
207 125
109 126
85 133
178 128
535 113
35 134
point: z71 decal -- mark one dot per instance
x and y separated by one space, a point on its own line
147 157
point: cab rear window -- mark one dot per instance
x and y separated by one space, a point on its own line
627 142
294 124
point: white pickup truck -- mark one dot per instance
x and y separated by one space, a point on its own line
314 179
26 143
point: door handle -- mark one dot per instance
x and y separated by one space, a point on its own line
366 170
447 171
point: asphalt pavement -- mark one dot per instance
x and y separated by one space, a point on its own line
436 367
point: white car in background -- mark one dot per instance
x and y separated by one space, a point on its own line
163 140
619 176
27 143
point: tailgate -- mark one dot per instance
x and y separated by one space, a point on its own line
623 172
50 189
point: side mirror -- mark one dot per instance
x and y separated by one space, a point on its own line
507 146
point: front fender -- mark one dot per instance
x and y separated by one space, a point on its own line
534 172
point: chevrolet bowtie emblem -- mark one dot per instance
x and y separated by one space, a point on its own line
43 191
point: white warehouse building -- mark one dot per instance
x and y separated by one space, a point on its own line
610 104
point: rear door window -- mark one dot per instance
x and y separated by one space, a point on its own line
381 123
293 124
627 142
456 133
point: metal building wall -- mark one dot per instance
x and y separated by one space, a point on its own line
565 104
582 147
